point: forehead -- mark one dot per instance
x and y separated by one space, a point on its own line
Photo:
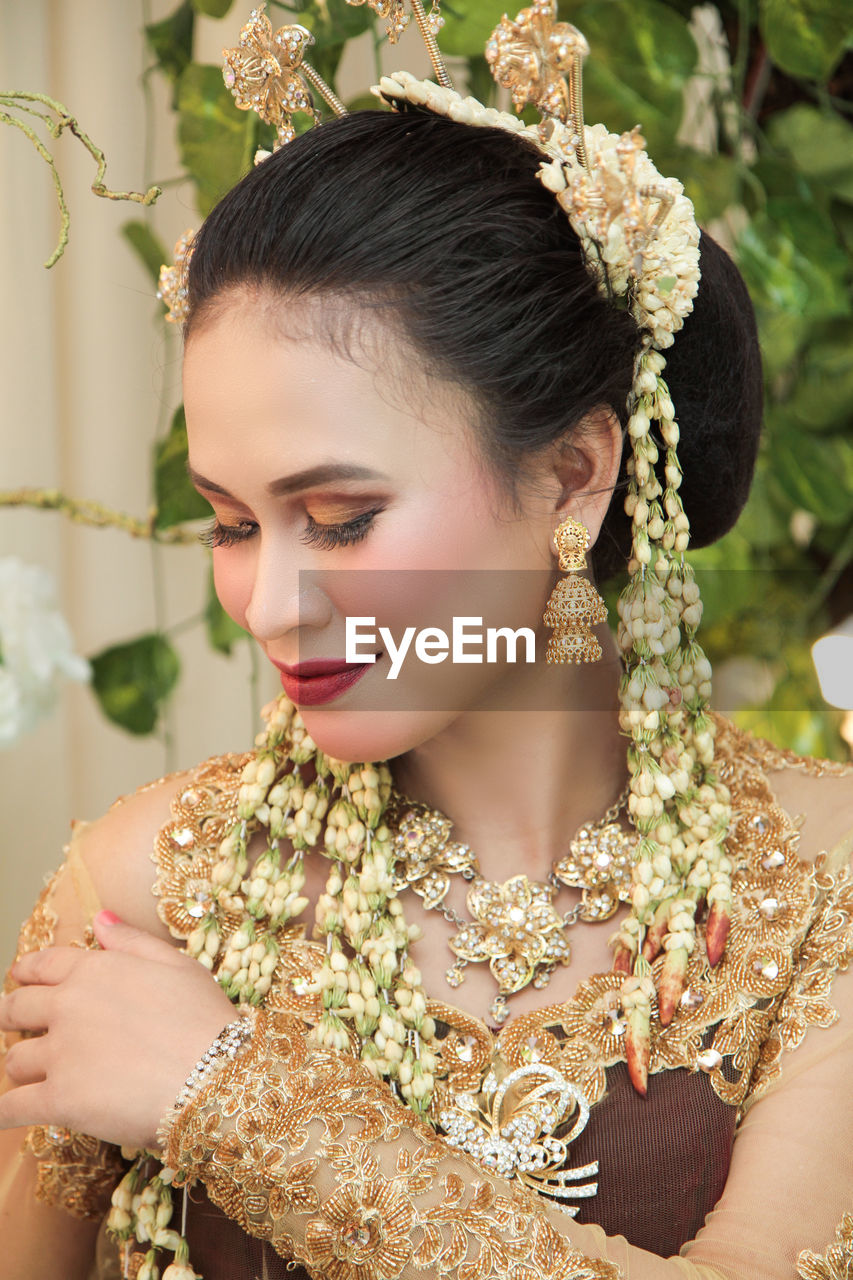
267 371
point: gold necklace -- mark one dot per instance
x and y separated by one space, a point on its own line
515 926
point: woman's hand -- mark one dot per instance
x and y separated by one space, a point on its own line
123 1028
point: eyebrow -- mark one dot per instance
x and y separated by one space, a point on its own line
307 479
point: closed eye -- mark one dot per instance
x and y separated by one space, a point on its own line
339 535
226 535
325 536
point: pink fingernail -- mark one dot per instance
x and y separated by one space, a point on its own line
108 917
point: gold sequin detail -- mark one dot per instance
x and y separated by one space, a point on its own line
837 1262
76 1172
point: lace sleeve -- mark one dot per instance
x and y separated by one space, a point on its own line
75 1172
305 1149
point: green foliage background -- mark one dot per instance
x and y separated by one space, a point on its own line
778 169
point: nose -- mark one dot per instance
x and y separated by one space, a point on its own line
284 597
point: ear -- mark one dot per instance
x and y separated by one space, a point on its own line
585 469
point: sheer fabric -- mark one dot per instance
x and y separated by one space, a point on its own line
789 1183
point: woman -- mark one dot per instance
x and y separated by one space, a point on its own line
400 372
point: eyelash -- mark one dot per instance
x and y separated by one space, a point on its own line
325 536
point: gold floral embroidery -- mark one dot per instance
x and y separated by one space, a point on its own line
37 931
826 951
364 1230
837 1262
399 1198
771 757
185 848
76 1172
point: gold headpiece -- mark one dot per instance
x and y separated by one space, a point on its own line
641 244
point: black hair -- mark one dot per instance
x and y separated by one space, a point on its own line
447 225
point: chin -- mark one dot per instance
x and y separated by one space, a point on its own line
371 735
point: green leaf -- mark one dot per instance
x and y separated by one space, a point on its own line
364 102
641 58
713 182
795 715
133 680
222 630
761 524
148 247
216 140
331 22
171 41
481 82
816 472
213 8
806 37
842 216
176 498
467 26
819 142
824 388
796 272
807 727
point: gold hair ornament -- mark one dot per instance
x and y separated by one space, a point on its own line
172 287
267 72
641 243
429 25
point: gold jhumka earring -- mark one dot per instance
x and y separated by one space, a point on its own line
574 605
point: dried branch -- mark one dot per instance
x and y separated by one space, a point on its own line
95 514
17 100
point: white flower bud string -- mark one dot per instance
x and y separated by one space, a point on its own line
678 805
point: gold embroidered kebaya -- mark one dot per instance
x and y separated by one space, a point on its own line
792 931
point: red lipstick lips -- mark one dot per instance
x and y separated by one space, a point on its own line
309 684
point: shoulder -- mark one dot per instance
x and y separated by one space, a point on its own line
817 794
117 850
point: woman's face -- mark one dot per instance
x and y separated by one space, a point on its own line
346 489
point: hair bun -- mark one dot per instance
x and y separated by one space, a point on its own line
713 371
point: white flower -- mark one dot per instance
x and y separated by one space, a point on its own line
36 647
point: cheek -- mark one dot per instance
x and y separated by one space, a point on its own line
449 530
232 579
